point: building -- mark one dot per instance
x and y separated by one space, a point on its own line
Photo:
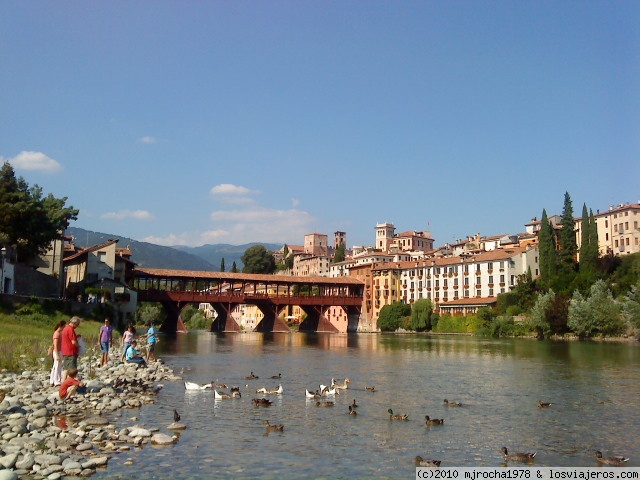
618 229
316 244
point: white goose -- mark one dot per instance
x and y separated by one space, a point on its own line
277 391
196 386
220 396
327 392
308 394
344 385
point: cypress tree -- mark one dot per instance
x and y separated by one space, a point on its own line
588 246
547 248
568 244
222 265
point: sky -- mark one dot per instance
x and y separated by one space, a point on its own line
204 122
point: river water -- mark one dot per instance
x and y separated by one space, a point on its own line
594 389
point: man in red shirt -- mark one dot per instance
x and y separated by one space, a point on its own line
69 346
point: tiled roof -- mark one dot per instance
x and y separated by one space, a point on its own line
161 272
88 250
469 301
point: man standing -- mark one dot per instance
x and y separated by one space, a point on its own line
105 341
69 347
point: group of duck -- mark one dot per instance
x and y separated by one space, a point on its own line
524 457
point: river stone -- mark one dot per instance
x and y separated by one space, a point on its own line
97 420
46 459
96 462
139 432
40 412
27 462
40 422
84 446
9 461
177 426
54 476
161 439
72 468
8 475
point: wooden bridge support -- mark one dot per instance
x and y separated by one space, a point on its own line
315 320
271 321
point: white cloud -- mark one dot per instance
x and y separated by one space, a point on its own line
228 189
26 160
147 140
127 214
295 202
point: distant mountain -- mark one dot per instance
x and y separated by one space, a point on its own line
203 258
231 253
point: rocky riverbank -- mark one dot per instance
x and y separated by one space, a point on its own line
43 437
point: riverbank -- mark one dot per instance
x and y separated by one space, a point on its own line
44 437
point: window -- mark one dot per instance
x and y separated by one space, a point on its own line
627 240
501 278
606 224
491 292
455 282
102 257
446 282
437 283
477 280
478 293
616 243
490 279
466 293
466 281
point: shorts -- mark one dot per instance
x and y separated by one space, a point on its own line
69 362
104 346
152 347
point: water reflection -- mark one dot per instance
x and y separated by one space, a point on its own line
593 389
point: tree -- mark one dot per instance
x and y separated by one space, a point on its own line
28 219
568 245
549 314
391 316
150 312
222 265
257 259
234 268
421 312
340 254
547 248
597 314
588 247
631 307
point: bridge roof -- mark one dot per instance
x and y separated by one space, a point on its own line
252 277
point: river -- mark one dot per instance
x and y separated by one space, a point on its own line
593 387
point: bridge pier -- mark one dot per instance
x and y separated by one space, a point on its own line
225 321
315 320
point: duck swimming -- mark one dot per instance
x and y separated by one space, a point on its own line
616 461
397 416
262 402
251 376
274 428
452 404
518 457
542 404
352 411
433 421
421 462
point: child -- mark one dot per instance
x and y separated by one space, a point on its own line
71 385
127 338
131 355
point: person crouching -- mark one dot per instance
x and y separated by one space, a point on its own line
131 355
71 385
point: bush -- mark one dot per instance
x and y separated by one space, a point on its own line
390 317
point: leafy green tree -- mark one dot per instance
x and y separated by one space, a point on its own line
150 312
28 219
421 312
188 312
597 314
538 320
257 259
391 316
631 307
486 315
222 268
340 254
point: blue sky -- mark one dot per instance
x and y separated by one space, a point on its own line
237 121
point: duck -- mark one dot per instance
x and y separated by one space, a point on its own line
616 461
274 428
276 377
421 462
327 392
452 404
235 389
342 386
220 396
370 389
354 404
262 390
219 385
176 416
308 394
352 411
433 421
325 404
397 416
277 391
236 394
262 402
542 404
251 376
196 386
518 457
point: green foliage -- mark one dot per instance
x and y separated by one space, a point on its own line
549 314
222 268
631 307
198 321
568 245
547 249
391 316
150 312
458 324
504 326
626 273
589 253
340 254
187 312
421 312
234 268
257 259
598 314
28 219
486 316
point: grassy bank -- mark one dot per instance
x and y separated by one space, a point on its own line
26 332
